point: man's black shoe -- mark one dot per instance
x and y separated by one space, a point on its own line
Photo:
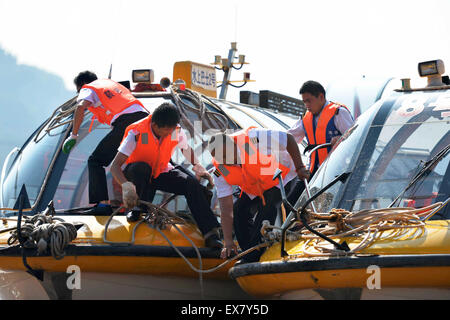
100 210
213 242
134 215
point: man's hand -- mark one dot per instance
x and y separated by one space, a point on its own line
69 143
303 173
228 251
201 172
129 195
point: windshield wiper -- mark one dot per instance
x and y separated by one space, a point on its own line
423 172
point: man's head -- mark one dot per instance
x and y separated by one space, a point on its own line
223 149
165 119
313 95
83 78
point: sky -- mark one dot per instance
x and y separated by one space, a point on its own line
286 42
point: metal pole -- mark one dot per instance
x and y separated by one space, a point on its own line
227 71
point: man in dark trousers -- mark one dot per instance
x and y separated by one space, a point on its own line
248 159
112 104
146 150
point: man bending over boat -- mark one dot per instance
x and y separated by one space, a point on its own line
146 150
114 105
249 159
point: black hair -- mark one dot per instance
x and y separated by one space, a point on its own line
312 87
166 115
84 77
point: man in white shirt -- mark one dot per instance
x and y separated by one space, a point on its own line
323 122
146 151
114 105
283 152
314 97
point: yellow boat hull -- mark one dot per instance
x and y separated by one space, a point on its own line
150 253
413 259
115 267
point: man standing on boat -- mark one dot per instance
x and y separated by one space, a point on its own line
146 150
323 122
248 159
112 104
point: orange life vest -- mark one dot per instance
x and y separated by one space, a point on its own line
254 175
320 135
148 148
114 97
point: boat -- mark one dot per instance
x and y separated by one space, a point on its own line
104 257
374 221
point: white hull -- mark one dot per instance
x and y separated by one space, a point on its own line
19 285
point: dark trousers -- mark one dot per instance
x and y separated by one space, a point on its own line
177 182
247 229
104 154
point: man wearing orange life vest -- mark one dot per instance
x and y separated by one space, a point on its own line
249 159
146 151
111 104
323 122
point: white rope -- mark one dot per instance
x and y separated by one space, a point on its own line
368 225
42 232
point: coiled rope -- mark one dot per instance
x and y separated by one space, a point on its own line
43 231
367 225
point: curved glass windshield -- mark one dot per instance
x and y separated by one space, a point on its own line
31 165
415 131
386 153
72 189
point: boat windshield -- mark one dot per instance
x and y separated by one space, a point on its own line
385 148
27 170
72 190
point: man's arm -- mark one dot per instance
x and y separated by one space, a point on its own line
226 219
116 168
129 195
294 152
199 170
297 131
79 115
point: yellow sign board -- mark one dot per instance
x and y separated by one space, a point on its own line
198 77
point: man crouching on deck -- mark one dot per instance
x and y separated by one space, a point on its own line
146 150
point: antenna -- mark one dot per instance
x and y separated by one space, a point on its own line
110 71
226 65
235 21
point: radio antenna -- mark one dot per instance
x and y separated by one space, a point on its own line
110 71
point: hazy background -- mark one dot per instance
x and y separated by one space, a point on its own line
45 43
28 95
